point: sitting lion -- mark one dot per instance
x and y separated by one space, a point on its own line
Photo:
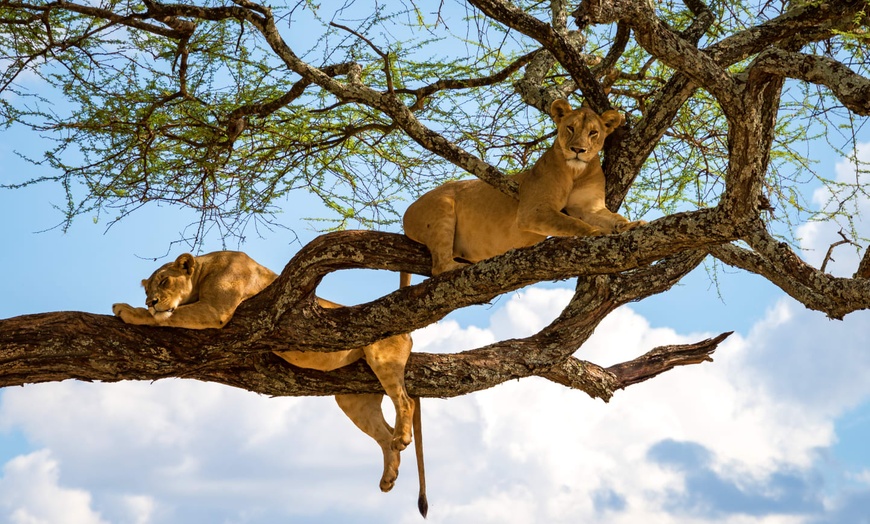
561 195
203 292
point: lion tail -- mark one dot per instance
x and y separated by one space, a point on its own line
422 502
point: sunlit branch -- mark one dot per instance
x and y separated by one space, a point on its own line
852 89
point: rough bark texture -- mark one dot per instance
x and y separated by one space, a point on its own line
611 270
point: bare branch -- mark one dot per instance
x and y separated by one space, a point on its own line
384 56
602 383
664 358
775 261
831 250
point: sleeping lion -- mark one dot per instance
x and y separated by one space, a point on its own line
203 292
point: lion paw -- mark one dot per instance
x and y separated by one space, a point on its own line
132 315
391 473
118 309
400 442
628 226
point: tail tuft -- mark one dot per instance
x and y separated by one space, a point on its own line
422 502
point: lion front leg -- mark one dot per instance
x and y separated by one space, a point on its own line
628 226
552 223
365 412
609 221
133 315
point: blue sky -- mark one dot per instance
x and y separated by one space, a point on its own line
773 431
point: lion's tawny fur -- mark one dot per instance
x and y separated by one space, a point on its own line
203 292
561 195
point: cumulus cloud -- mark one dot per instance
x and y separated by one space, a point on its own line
30 494
739 440
184 451
731 441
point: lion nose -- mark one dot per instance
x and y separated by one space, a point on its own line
151 302
578 150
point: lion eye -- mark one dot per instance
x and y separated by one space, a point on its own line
593 133
163 282
571 129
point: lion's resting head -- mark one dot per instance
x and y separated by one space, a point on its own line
170 286
581 132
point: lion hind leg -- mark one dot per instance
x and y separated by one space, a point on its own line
432 221
387 358
365 412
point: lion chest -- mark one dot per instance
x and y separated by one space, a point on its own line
587 192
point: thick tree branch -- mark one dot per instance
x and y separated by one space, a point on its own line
810 22
58 346
557 42
553 259
852 89
775 261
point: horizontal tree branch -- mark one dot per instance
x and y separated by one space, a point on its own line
552 259
59 346
798 26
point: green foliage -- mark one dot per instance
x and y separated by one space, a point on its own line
139 118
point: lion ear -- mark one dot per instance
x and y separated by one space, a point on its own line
559 108
612 119
144 282
186 263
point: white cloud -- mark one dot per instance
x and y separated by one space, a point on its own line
736 440
563 457
30 494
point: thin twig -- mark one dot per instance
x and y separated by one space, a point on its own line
831 250
383 55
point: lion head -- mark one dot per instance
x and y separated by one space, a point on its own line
170 286
581 132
